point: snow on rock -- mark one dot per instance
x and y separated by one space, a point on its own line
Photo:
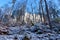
11 37
20 37
14 30
6 37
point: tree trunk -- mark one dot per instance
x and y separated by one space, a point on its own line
48 14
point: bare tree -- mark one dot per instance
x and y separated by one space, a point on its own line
32 12
0 14
53 9
13 1
43 15
21 11
48 14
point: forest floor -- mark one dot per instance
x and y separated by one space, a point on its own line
37 32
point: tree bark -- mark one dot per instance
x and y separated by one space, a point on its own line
48 14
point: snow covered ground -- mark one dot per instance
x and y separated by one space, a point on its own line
31 36
36 32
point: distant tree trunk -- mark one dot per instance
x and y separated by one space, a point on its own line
35 19
13 2
35 15
54 16
32 14
23 9
48 14
42 11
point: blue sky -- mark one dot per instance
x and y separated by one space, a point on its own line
3 2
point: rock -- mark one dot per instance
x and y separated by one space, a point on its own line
3 30
35 39
26 38
33 29
20 37
39 32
